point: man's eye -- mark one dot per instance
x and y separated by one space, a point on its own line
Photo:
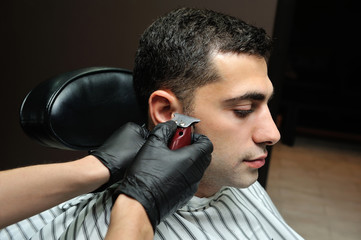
243 113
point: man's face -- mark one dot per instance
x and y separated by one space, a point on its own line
234 115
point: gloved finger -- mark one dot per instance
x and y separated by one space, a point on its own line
163 132
143 131
196 137
201 146
124 133
132 130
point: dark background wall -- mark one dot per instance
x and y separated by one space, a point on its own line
40 39
320 79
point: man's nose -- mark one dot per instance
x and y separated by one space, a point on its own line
266 131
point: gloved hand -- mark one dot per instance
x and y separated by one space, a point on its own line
119 150
163 180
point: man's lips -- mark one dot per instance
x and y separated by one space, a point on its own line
256 162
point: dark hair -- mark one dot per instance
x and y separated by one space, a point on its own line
175 51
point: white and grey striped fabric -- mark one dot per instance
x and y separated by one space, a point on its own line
230 214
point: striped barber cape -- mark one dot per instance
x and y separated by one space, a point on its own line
230 214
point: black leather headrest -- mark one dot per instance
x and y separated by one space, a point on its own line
79 110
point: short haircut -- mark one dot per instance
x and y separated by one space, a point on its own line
175 52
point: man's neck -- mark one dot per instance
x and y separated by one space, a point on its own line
206 190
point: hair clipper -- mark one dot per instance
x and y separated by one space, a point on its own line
183 135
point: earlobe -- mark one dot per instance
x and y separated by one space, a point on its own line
162 105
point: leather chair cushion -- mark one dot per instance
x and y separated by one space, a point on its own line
79 110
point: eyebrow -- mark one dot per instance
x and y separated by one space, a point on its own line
256 96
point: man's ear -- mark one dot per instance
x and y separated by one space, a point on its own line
162 105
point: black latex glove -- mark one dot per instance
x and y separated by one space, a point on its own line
119 150
163 180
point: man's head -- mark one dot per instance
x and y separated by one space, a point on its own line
212 67
176 51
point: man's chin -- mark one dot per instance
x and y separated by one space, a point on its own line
248 181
